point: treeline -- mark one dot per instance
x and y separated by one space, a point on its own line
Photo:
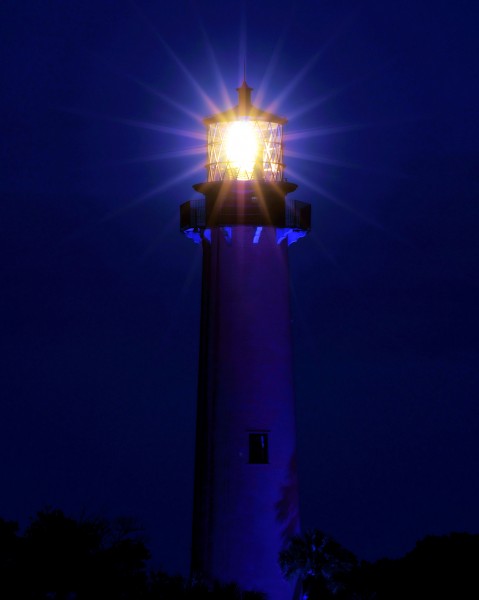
58 557
438 567
61 558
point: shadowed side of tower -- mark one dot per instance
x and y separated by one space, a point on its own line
246 493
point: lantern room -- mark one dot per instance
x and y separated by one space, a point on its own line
245 143
245 183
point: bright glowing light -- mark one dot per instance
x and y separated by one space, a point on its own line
241 145
245 149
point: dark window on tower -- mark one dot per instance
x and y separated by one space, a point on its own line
258 448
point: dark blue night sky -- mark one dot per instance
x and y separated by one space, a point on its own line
100 293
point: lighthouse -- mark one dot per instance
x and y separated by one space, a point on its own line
246 490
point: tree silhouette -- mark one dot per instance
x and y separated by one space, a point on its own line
438 566
10 554
321 563
62 558
167 587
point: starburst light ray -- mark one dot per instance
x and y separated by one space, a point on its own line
263 86
161 128
137 201
214 62
347 207
325 160
323 131
196 151
172 54
273 106
180 107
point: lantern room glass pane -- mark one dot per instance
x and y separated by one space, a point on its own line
245 149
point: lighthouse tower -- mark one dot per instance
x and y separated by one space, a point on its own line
246 493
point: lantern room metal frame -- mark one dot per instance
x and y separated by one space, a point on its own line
265 129
235 197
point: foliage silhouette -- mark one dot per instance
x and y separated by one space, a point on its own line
166 587
439 566
62 558
319 561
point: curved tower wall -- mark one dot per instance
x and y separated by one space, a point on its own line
246 496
